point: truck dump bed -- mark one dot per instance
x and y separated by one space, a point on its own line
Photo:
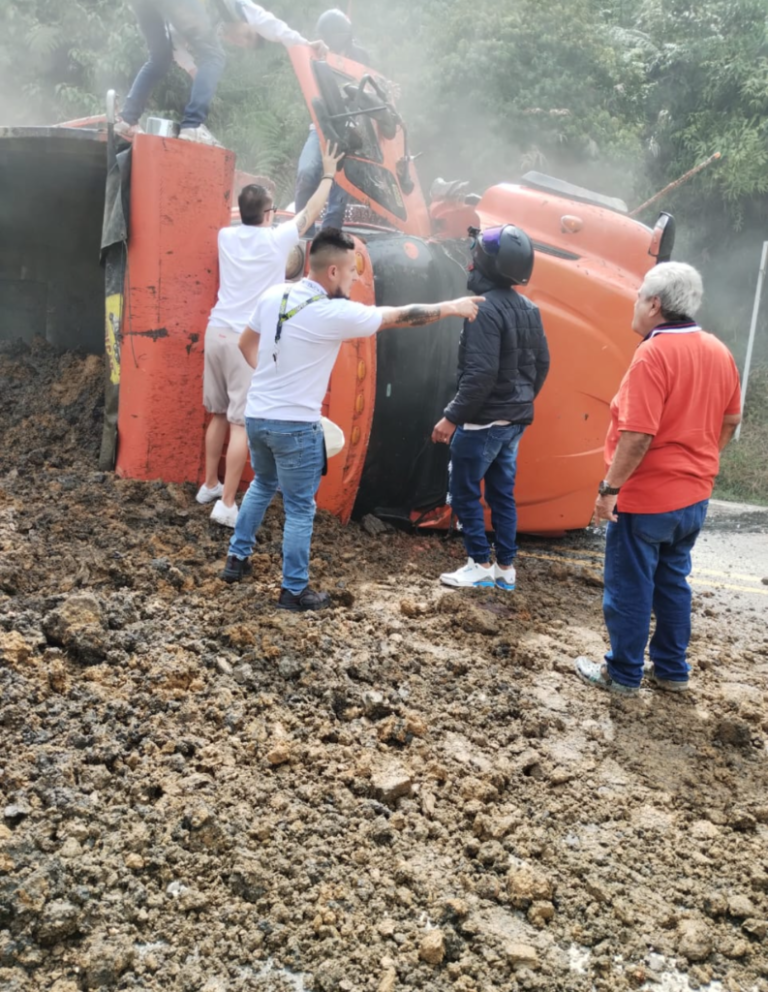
51 206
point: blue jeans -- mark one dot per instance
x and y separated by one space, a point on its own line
289 454
647 562
308 179
191 20
490 455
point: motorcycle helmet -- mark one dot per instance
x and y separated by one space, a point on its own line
335 29
503 254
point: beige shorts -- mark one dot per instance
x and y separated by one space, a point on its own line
226 375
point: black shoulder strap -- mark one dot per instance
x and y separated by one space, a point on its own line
290 314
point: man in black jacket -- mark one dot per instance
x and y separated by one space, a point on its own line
503 362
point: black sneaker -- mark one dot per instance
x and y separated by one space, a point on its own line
236 569
307 599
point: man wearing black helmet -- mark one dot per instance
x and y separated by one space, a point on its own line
503 362
335 29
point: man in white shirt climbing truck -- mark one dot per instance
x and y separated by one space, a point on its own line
292 341
252 258
195 44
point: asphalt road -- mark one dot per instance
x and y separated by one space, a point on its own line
731 554
730 559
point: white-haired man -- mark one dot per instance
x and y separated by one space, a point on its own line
676 410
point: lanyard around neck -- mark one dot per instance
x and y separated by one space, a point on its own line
286 315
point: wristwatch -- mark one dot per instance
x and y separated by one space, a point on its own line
605 490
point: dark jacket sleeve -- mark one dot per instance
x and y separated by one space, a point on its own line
481 348
542 364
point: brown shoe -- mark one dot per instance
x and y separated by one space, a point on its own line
666 685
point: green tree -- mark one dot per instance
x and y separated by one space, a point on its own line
503 88
707 91
58 59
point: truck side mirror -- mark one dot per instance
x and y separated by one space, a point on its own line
663 238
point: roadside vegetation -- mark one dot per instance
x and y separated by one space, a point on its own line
744 465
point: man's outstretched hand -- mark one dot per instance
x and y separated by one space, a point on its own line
467 306
319 49
331 158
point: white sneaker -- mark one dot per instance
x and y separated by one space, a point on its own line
126 130
206 495
201 135
505 577
224 515
470 576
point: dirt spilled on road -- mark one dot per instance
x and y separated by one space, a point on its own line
411 791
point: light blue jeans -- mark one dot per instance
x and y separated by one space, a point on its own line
288 454
191 20
308 179
491 455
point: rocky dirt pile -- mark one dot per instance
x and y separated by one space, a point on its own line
411 791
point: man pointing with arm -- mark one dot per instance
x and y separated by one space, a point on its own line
292 341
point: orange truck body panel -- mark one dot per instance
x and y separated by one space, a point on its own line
349 403
181 198
586 305
417 221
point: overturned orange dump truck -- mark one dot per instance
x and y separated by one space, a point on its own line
155 230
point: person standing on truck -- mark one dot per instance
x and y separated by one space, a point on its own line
292 341
503 363
334 28
191 22
677 408
252 258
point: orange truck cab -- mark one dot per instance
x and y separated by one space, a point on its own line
166 201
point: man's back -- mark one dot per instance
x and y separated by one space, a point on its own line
678 388
251 260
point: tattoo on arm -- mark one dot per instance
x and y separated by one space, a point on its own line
302 221
416 316
413 316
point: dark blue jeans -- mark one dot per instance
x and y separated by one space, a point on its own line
647 562
490 455
289 454
308 179
190 19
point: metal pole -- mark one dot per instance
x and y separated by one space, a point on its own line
678 182
752 332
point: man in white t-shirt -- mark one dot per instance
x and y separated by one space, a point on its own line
252 258
292 341
186 31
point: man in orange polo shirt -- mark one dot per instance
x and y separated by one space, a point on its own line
676 410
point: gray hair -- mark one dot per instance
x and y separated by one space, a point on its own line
677 285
